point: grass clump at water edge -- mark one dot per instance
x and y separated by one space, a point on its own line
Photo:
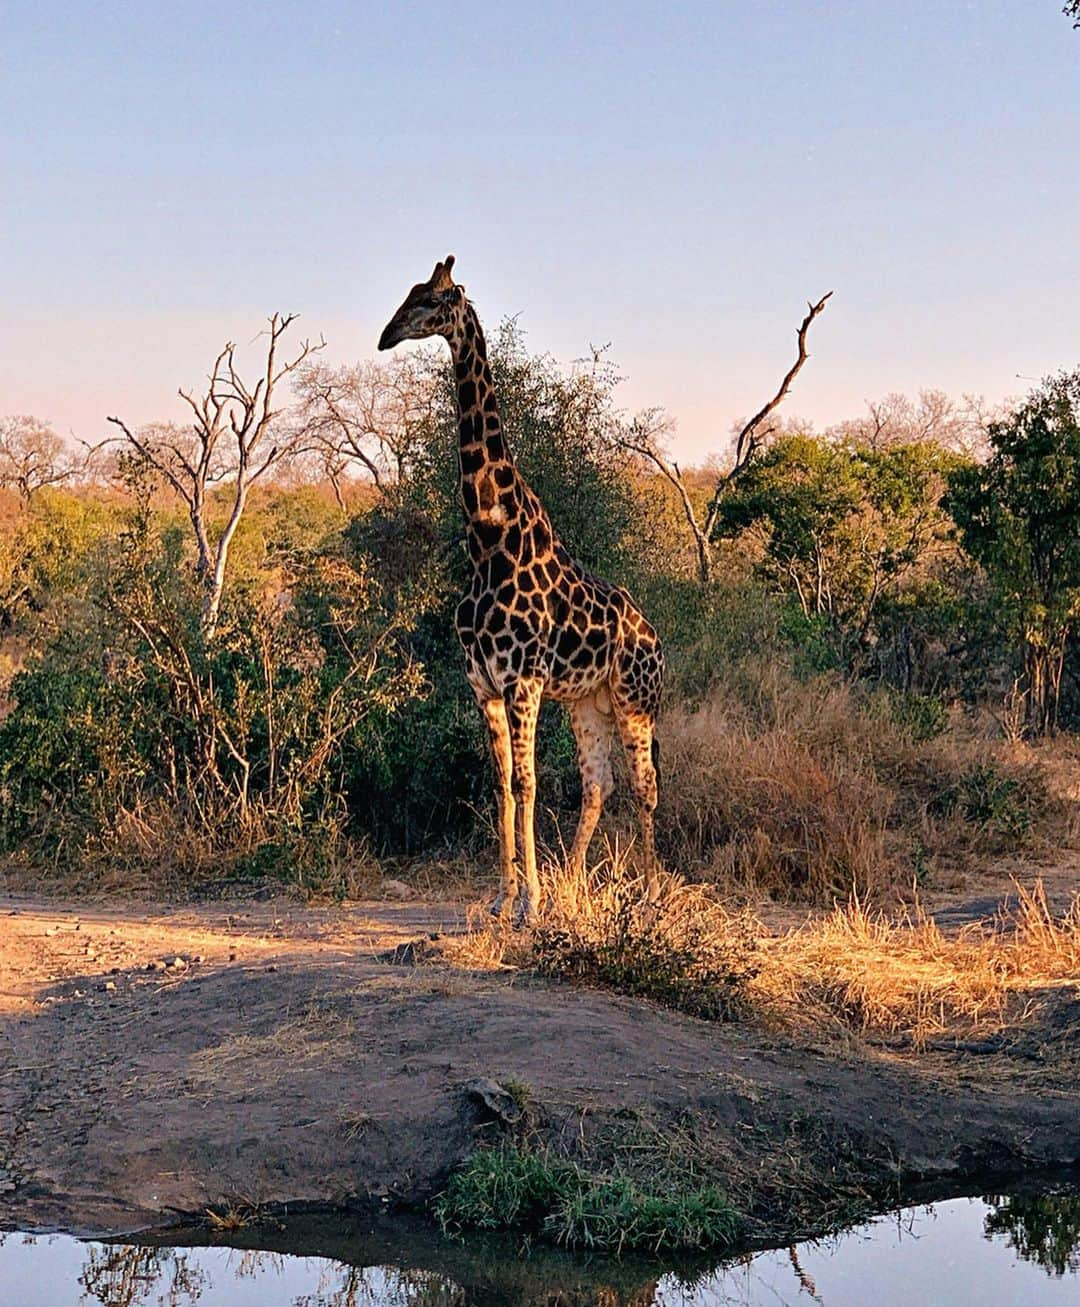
511 1189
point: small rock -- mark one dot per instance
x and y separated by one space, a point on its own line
157 965
77 993
108 986
409 954
178 964
396 889
498 1101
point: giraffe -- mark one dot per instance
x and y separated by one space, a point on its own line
533 623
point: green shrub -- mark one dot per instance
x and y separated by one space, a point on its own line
986 798
923 716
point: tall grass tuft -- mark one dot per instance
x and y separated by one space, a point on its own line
814 790
510 1188
685 951
858 971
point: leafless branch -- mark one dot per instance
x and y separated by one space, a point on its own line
230 429
643 439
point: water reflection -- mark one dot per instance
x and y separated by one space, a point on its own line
961 1251
1041 1228
129 1277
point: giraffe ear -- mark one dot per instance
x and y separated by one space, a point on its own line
440 278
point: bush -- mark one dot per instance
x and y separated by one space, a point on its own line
996 803
130 721
684 952
775 801
816 788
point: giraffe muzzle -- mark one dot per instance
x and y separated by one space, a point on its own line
390 337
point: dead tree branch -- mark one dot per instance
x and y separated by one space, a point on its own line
751 437
644 438
232 436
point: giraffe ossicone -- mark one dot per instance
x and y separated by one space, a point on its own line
533 623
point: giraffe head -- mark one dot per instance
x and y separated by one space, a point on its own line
431 308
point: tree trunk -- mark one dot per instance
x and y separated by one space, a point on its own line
1044 658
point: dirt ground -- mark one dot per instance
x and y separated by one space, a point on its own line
159 1059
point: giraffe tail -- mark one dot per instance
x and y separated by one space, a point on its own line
656 759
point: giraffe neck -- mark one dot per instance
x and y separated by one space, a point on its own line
493 493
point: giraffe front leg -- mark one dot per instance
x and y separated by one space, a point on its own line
499 729
522 711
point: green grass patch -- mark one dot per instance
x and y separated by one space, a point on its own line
511 1189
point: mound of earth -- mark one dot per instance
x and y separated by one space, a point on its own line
156 1061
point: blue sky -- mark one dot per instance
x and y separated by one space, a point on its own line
674 179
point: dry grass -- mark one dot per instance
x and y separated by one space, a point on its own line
857 971
815 791
158 848
763 812
854 972
686 951
319 1032
586 903
230 1219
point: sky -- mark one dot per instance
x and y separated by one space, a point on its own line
676 179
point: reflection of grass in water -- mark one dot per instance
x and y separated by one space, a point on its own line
489 1270
1041 1228
511 1189
493 1274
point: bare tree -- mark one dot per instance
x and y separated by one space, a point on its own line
645 438
32 456
233 437
370 417
933 417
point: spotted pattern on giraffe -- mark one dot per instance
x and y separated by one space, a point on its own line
533 623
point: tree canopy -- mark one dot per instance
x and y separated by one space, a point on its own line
1019 517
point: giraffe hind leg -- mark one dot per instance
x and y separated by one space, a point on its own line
642 756
592 731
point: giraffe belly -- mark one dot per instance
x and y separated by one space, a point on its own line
566 636
565 685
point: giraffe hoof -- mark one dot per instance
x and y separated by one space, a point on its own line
501 906
525 912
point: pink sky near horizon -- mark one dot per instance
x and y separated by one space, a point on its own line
117 369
